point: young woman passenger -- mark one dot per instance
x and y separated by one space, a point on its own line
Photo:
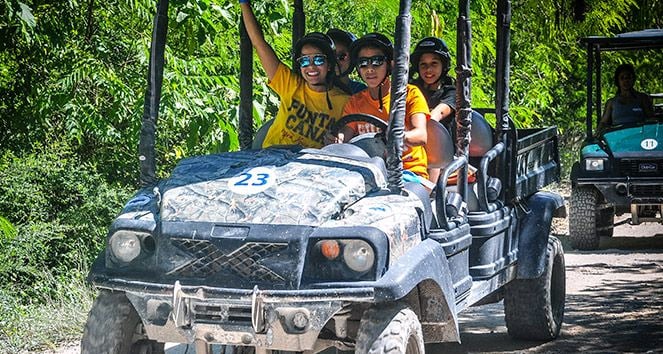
343 40
310 102
430 63
372 55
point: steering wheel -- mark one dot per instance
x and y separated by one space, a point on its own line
372 143
357 117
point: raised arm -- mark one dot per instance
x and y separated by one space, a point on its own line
270 62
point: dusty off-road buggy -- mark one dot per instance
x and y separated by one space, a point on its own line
620 171
305 250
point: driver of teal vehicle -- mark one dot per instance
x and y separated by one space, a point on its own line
629 105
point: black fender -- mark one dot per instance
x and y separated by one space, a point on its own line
575 172
534 231
424 266
426 260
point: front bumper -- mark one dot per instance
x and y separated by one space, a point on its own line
625 191
271 319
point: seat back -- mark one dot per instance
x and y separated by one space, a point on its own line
261 134
481 135
439 145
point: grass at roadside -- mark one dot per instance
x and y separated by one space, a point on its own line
39 327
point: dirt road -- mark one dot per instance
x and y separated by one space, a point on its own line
614 302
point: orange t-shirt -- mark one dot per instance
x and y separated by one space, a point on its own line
414 157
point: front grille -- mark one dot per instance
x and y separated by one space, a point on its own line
244 261
221 314
640 167
646 191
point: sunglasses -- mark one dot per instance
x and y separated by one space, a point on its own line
307 60
376 60
342 56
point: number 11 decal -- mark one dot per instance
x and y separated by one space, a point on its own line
252 181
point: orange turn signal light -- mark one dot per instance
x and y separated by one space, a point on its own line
330 249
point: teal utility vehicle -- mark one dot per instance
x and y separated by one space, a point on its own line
620 170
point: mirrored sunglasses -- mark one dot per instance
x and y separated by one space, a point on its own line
376 60
307 60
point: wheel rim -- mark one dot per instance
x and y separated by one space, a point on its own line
412 347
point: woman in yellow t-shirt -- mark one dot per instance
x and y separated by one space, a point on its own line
310 102
372 54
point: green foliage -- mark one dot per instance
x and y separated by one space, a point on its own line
16 18
82 79
61 209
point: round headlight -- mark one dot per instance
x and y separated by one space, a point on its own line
358 255
594 164
125 245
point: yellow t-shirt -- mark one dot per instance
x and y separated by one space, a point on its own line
414 157
304 116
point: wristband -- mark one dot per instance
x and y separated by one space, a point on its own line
243 1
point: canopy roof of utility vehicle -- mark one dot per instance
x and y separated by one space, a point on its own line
645 39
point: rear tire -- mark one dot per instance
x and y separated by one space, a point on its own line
114 327
393 329
584 218
534 308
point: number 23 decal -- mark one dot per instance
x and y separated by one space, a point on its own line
252 181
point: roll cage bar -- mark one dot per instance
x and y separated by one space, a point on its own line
505 130
595 45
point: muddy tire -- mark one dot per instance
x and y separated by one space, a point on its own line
393 329
534 308
114 327
584 218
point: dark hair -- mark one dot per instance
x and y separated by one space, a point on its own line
621 69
